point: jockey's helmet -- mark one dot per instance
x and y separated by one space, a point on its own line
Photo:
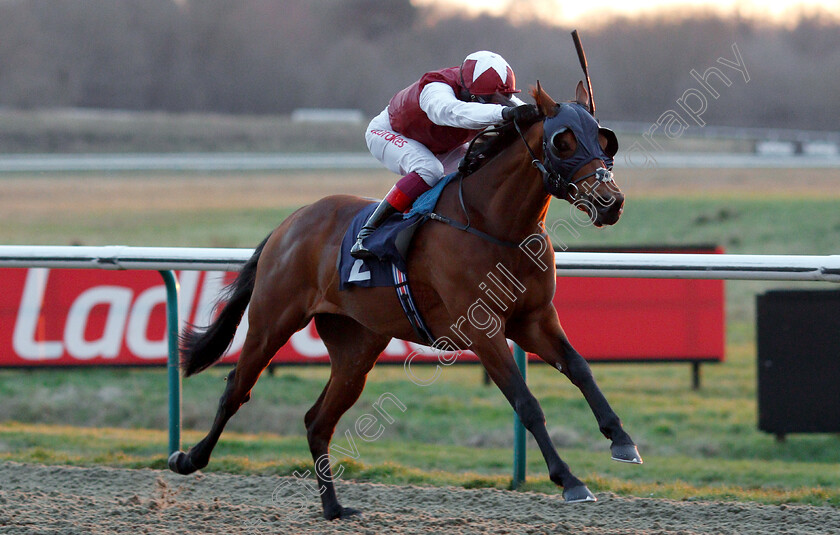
486 73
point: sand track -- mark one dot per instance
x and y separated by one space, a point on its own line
36 499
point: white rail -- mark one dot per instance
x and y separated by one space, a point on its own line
637 265
699 266
51 163
120 257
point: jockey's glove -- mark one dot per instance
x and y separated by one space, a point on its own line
524 114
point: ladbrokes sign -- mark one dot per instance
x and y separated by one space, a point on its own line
77 317
93 317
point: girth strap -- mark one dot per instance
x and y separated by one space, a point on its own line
410 308
468 226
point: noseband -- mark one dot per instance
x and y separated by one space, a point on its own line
553 182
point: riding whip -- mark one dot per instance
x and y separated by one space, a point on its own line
582 57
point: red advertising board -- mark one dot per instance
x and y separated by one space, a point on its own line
94 317
71 317
643 319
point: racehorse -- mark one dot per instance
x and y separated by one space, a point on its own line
292 278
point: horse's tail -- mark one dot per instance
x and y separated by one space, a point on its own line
201 348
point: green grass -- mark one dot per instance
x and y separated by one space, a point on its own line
95 131
455 432
745 224
696 444
773 481
742 225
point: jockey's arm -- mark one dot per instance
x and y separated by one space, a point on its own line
440 104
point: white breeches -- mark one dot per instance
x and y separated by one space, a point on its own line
402 155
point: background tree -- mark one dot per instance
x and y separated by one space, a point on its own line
272 56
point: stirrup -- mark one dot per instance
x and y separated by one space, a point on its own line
360 252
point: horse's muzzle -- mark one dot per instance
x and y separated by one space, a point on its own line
607 210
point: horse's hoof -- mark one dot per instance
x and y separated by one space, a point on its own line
626 453
342 513
578 494
179 462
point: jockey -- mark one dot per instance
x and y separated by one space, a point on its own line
424 131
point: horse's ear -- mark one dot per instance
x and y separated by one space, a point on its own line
545 103
582 96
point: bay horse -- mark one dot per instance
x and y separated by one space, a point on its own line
292 278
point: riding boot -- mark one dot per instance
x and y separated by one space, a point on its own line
379 216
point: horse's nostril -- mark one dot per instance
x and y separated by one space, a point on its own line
618 203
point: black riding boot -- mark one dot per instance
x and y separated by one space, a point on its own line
382 212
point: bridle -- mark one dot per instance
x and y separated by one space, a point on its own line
553 182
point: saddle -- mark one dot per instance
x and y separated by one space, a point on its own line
392 240
390 243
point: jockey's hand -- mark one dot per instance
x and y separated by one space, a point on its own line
524 114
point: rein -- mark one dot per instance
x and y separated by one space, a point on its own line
468 227
463 174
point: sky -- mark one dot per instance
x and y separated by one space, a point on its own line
570 11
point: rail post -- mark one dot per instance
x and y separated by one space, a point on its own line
519 456
173 370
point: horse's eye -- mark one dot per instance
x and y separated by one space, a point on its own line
559 143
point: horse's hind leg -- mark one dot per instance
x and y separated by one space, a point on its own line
353 352
266 335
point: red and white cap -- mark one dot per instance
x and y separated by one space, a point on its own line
486 73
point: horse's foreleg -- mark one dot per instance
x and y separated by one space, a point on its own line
623 448
501 368
547 339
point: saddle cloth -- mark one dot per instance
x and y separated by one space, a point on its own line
390 244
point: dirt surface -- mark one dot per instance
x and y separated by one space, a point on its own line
37 499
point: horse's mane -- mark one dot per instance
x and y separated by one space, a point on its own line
486 145
490 142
